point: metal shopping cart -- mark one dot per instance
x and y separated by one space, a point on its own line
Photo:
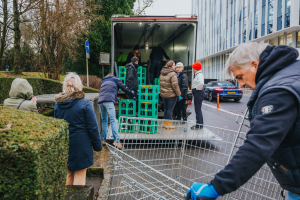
162 164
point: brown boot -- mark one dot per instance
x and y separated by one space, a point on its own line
164 124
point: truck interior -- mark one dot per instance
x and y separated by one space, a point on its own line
177 39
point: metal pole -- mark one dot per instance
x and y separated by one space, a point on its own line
102 72
87 72
218 101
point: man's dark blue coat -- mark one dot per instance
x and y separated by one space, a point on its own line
84 135
274 137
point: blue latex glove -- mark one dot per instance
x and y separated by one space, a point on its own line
134 98
201 191
179 98
177 75
118 99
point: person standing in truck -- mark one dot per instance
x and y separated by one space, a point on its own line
156 57
134 52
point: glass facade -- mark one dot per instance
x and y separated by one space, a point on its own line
289 40
255 19
245 17
279 15
287 13
263 17
270 16
280 40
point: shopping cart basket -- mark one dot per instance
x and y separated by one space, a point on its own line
164 165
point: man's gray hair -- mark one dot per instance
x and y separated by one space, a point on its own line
242 56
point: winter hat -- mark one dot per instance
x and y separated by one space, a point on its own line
136 47
179 64
197 66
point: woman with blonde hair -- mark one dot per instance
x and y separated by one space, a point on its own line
169 91
84 135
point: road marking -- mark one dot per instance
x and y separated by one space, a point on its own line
222 110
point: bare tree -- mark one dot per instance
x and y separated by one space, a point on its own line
3 31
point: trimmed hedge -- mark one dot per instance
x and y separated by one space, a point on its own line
39 85
33 156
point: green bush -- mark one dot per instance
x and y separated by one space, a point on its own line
33 156
39 85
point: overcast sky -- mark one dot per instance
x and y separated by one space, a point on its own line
168 7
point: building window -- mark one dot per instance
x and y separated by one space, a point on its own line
263 19
287 13
255 19
280 40
279 15
270 16
289 40
298 40
272 42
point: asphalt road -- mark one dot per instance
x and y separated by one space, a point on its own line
219 118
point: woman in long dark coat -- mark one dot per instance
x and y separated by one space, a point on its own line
84 135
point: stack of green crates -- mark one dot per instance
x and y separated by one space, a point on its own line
141 74
127 107
148 108
122 74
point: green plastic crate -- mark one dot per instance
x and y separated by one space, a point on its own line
147 126
149 93
125 125
148 109
127 107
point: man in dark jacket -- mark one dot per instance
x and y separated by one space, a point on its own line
273 73
183 83
107 98
156 57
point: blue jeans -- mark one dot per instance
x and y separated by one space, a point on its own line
108 109
169 104
292 196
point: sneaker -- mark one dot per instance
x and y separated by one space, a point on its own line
184 119
118 145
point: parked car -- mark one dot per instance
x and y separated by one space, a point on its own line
225 89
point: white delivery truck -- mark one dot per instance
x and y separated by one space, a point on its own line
176 34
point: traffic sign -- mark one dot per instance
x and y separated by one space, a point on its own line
6 67
87 46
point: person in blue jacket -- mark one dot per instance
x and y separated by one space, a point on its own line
273 73
84 135
107 98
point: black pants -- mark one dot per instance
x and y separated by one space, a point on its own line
180 109
169 104
154 71
198 98
137 98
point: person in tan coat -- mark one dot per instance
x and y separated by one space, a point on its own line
169 91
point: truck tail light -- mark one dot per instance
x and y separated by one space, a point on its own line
240 89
